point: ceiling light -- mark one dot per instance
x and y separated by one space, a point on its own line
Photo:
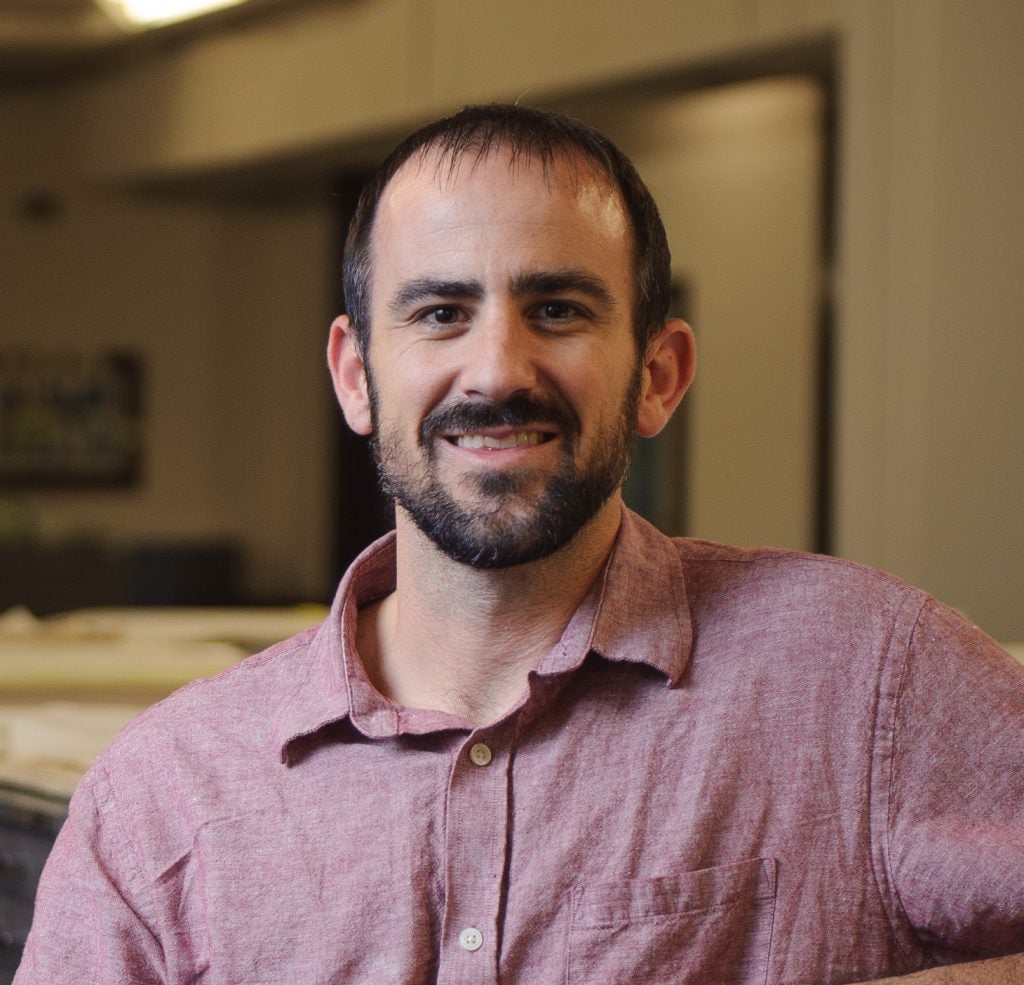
152 13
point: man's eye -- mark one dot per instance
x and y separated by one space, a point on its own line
558 310
442 316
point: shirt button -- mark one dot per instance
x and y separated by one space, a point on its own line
480 754
471 939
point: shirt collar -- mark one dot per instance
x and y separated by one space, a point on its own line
635 612
335 681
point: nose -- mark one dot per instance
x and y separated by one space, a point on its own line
500 355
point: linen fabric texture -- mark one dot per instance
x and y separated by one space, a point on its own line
735 767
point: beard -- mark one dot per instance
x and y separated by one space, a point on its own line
504 525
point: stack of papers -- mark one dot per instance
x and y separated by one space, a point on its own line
46 748
69 684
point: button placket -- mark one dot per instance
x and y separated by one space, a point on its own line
476 847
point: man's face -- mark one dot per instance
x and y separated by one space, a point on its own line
502 367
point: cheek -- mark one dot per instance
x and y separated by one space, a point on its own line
401 400
604 396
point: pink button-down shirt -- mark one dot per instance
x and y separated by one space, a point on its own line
735 767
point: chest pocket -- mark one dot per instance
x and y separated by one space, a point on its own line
712 925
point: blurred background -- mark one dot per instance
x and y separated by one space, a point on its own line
841 180
842 185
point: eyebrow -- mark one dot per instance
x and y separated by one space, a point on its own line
560 281
528 284
430 288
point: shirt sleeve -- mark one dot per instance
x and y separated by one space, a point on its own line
90 923
956 798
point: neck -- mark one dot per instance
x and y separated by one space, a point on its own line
463 640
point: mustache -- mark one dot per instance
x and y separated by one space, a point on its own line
518 410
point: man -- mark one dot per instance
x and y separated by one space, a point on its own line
536 741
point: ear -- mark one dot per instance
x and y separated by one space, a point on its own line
349 375
669 365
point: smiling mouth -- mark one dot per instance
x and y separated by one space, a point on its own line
517 439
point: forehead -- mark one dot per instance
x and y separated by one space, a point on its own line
458 173
440 209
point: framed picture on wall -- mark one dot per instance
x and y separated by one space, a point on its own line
69 419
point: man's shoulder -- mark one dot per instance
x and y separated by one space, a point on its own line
706 564
754 591
783 566
245 686
234 708
204 755
770 588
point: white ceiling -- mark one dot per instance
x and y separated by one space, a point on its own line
43 38
38 37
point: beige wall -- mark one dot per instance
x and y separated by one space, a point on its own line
931 456
927 281
226 304
737 171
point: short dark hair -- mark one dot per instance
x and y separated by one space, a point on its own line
535 135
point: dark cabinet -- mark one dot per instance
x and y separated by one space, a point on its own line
28 827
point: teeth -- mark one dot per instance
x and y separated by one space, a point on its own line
486 441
